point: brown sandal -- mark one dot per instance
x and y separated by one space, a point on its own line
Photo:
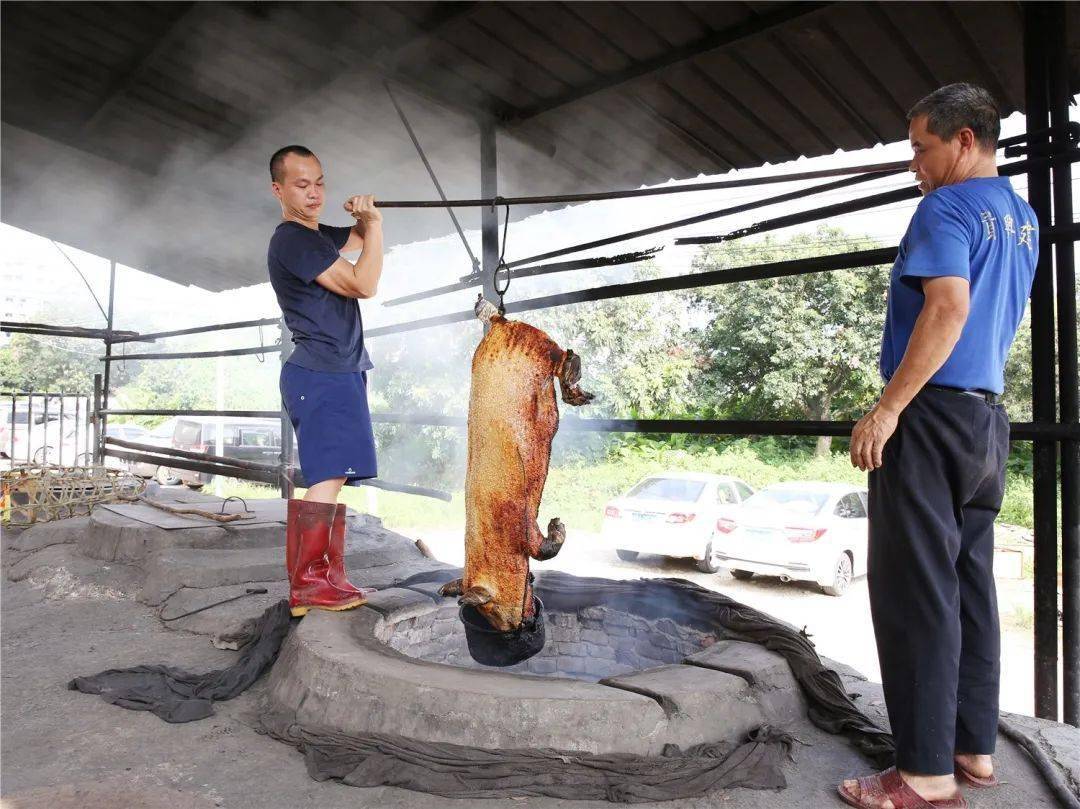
973 780
891 786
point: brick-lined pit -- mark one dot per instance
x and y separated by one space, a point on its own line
591 644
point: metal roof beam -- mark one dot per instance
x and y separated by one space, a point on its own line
718 39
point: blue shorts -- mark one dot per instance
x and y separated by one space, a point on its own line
329 413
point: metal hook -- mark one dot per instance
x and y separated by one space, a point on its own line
261 357
234 497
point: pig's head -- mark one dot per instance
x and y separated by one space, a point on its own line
502 617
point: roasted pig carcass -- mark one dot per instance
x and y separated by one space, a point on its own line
513 417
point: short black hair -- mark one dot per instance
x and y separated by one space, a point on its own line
956 106
277 161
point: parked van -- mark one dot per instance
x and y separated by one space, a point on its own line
246 439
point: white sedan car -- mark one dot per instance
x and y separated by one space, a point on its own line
805 531
673 514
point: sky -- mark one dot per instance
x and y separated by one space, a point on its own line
41 271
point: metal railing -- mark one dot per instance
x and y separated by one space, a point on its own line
46 427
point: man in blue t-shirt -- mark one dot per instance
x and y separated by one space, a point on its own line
324 381
935 446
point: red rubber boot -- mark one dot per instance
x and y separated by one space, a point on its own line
307 540
336 556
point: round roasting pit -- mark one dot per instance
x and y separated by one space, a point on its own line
610 679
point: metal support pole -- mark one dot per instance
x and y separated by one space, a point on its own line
1044 396
95 418
1067 379
60 459
103 424
45 430
286 457
11 434
489 214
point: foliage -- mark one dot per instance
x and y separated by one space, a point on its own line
48 364
802 347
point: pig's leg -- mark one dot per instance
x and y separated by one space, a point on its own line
543 547
569 374
452 588
474 595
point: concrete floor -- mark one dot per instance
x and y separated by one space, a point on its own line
76 616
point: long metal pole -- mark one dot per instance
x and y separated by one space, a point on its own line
98 444
103 424
489 215
1067 380
1043 403
286 457
11 436
60 459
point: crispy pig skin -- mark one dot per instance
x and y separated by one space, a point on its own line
513 417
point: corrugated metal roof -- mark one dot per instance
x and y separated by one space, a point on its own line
140 131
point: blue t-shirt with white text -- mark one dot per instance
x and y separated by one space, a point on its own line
327 330
980 230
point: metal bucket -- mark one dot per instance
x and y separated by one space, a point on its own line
492 647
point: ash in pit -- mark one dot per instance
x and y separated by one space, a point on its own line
593 643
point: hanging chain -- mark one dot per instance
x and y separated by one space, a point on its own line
500 288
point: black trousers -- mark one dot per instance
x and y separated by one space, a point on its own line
932 595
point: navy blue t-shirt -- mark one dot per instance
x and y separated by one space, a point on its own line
980 230
327 330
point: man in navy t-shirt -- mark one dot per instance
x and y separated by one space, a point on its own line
324 381
935 446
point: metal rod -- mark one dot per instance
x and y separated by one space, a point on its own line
683 188
60 458
1044 465
596 196
705 217
1060 98
46 329
108 352
11 454
431 174
256 414
242 324
1020 431
528 272
45 430
489 217
287 488
29 424
173 452
865 203
226 470
840 261
96 418
176 355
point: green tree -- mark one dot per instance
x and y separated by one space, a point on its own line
46 363
802 347
635 355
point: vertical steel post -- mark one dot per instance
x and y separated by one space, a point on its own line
29 424
45 430
60 458
103 422
1067 377
11 453
287 489
1043 405
96 420
489 215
